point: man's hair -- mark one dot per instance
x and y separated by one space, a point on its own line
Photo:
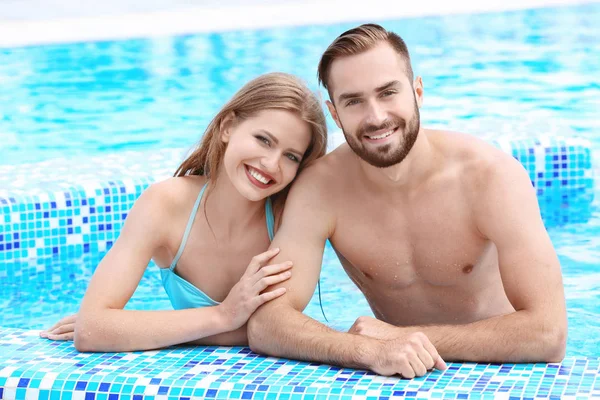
356 41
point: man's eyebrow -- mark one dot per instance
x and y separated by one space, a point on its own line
345 96
276 141
387 86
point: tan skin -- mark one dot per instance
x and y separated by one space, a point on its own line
154 228
448 242
215 261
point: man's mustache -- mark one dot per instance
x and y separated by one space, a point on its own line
388 124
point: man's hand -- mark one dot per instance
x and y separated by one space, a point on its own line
409 356
372 327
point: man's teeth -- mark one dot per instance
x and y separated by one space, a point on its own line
262 179
383 135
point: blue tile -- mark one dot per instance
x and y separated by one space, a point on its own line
23 382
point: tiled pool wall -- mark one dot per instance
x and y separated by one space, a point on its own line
79 213
83 209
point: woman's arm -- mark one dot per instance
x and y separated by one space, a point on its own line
103 325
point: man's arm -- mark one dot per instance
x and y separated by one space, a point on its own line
280 329
507 213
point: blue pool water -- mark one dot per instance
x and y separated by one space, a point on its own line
523 72
526 70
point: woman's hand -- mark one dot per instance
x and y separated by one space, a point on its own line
62 330
245 297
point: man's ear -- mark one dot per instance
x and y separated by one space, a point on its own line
333 112
225 127
418 88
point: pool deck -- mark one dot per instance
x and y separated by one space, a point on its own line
31 367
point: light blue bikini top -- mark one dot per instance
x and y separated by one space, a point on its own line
181 292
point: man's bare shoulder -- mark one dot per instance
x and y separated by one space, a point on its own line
327 172
480 166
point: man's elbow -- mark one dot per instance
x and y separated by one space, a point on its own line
555 344
256 331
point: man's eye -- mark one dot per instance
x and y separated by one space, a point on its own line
352 102
388 93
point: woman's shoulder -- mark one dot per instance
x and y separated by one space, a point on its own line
173 195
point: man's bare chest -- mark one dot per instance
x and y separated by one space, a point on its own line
399 248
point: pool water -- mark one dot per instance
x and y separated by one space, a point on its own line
525 71
515 73
48 297
137 105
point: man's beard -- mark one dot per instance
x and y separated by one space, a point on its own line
384 156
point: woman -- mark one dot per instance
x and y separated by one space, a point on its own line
202 226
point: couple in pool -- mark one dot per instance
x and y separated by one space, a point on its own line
440 231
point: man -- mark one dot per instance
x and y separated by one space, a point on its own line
440 231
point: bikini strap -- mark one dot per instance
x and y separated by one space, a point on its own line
188 228
270 218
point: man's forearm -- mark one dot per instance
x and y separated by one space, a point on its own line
515 337
294 335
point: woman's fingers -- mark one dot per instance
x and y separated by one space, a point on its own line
271 270
64 321
61 337
263 298
261 259
267 281
64 329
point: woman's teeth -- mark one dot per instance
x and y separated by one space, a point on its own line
259 177
382 136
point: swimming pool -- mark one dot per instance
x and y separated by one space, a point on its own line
137 105
524 70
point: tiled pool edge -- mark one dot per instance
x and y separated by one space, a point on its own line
38 368
34 367
63 221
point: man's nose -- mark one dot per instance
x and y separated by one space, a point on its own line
376 113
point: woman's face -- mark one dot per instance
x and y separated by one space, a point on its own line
264 152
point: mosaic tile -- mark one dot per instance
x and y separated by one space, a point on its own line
49 229
85 212
33 366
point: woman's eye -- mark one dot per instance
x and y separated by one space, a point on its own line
264 140
293 157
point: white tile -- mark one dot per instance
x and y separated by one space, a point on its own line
32 394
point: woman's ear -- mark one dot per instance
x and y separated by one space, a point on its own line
226 126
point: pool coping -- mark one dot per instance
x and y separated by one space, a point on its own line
39 368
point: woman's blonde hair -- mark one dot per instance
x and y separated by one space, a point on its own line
273 91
